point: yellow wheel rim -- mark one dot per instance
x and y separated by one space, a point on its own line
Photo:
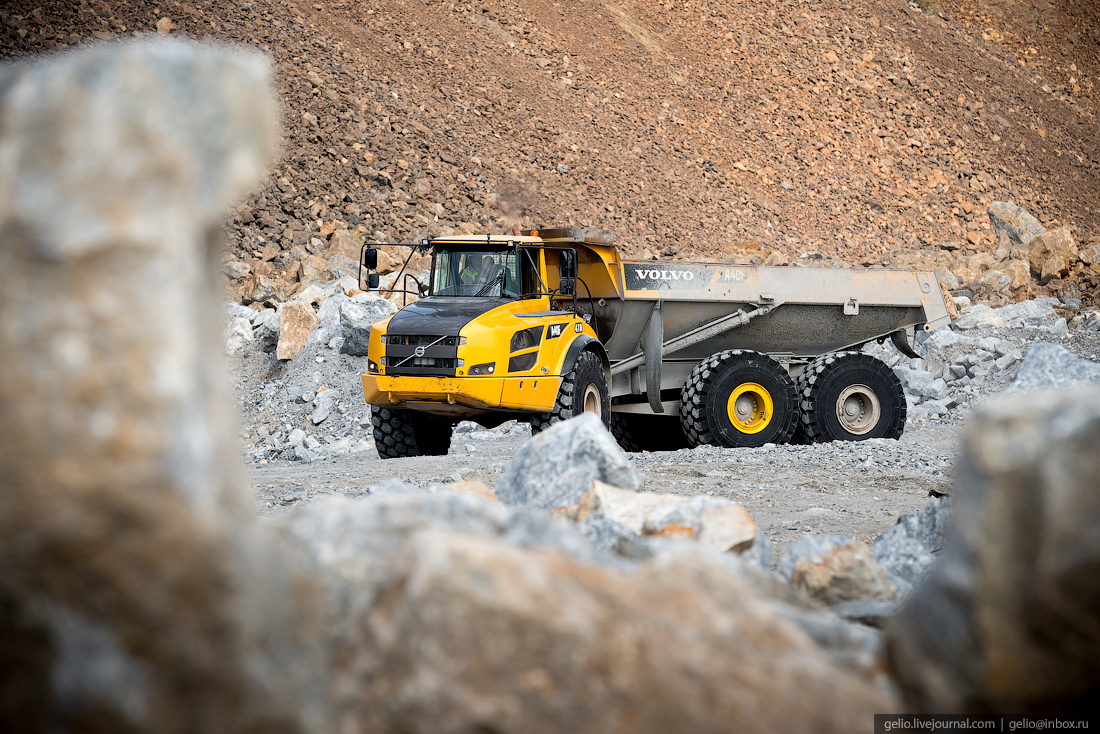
750 408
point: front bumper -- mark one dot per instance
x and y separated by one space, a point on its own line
462 394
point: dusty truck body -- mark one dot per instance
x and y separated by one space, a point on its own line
667 353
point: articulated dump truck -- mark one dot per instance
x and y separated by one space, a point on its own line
547 324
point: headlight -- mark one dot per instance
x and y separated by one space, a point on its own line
371 366
483 369
526 339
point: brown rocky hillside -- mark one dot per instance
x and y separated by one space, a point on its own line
873 132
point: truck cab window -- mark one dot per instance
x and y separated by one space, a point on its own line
478 274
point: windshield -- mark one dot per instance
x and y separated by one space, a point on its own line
506 274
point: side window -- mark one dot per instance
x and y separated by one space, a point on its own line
528 259
511 277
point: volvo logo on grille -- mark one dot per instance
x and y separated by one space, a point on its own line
419 351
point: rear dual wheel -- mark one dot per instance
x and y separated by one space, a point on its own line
738 398
641 432
850 396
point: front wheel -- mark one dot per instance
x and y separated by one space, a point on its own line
583 390
850 396
738 398
399 433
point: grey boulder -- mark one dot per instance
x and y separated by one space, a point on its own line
556 467
267 333
1020 226
1037 313
907 550
328 319
357 315
1048 366
322 406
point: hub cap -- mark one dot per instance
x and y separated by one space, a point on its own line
858 409
750 408
592 402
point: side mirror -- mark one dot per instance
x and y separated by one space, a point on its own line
370 258
372 281
567 264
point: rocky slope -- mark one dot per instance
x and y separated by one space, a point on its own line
874 133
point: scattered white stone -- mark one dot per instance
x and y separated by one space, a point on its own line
322 406
238 334
978 316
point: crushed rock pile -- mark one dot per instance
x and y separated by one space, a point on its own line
986 351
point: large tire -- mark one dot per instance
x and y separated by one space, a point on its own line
583 390
400 433
738 398
850 396
640 432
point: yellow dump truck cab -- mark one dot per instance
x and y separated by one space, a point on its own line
497 336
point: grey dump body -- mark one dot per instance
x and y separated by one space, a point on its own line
669 316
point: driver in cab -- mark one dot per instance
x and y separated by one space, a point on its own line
476 271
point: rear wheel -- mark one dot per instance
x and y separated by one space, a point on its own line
583 390
399 433
850 396
738 398
640 432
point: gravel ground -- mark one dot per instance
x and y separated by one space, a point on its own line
855 489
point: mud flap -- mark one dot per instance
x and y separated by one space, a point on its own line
901 340
652 345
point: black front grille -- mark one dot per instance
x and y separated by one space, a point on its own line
424 355
436 362
421 340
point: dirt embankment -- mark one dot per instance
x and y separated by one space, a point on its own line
870 132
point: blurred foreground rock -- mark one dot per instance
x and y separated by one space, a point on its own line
136 590
843 574
1009 621
456 614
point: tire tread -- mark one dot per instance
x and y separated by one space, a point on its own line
693 417
563 402
815 375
